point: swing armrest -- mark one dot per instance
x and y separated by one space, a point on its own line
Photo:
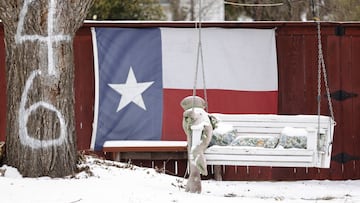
312 141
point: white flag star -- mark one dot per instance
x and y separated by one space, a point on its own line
131 91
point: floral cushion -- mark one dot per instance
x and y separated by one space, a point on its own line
265 141
226 135
293 138
293 142
223 135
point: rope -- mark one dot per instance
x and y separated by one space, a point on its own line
198 58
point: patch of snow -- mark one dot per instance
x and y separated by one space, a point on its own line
108 181
11 172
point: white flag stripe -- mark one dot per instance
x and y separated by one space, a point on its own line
234 59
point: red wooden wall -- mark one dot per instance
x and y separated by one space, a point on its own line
297 67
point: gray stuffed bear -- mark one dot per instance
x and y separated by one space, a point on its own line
195 115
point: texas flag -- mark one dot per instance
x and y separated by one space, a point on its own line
142 74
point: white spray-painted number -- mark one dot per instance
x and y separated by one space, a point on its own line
24 113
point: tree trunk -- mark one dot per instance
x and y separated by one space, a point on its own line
40 136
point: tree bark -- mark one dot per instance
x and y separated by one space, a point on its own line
40 136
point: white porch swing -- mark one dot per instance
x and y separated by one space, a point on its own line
316 131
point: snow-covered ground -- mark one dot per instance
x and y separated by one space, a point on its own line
107 181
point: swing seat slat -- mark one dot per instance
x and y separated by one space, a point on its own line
258 156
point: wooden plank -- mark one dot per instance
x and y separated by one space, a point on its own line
145 143
237 162
152 155
277 125
264 173
84 87
246 159
355 130
281 173
290 54
143 149
237 150
182 167
144 146
332 56
234 173
252 123
253 172
351 84
270 117
319 173
310 66
142 163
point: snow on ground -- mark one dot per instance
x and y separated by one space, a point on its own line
107 181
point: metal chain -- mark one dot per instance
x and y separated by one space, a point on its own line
320 55
322 68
